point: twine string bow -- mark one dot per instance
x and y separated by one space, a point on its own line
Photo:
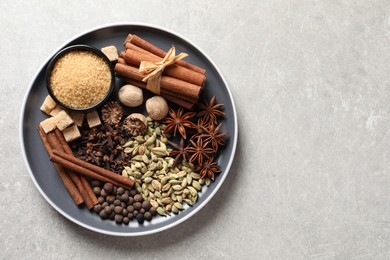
153 70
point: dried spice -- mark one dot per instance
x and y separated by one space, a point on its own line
179 152
156 178
136 124
121 205
112 113
199 150
102 146
210 111
179 122
205 137
199 128
213 135
208 169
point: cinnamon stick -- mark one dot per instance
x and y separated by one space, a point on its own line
54 139
56 143
85 168
64 144
174 70
69 185
68 182
181 88
130 46
80 181
44 140
81 170
138 41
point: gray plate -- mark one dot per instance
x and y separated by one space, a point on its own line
41 169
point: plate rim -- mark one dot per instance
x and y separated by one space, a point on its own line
113 233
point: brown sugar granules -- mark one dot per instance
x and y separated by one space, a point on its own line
80 79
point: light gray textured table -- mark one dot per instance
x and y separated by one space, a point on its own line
311 177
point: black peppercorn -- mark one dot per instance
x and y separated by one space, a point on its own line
103 214
124 197
137 205
97 190
148 216
130 208
107 209
125 212
153 211
118 218
108 187
120 191
97 208
132 192
146 205
95 183
138 198
103 193
110 199
140 218
118 209
101 200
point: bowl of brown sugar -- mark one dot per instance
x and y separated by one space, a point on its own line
80 78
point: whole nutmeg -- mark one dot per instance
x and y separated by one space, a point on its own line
130 95
157 107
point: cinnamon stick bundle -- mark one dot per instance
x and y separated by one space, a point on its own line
135 58
138 41
168 83
181 83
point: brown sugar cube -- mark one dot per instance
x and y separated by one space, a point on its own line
45 109
78 118
62 120
48 125
111 53
56 110
71 133
48 105
93 119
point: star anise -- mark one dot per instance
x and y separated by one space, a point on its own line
199 128
208 169
179 122
179 152
199 150
214 136
210 111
